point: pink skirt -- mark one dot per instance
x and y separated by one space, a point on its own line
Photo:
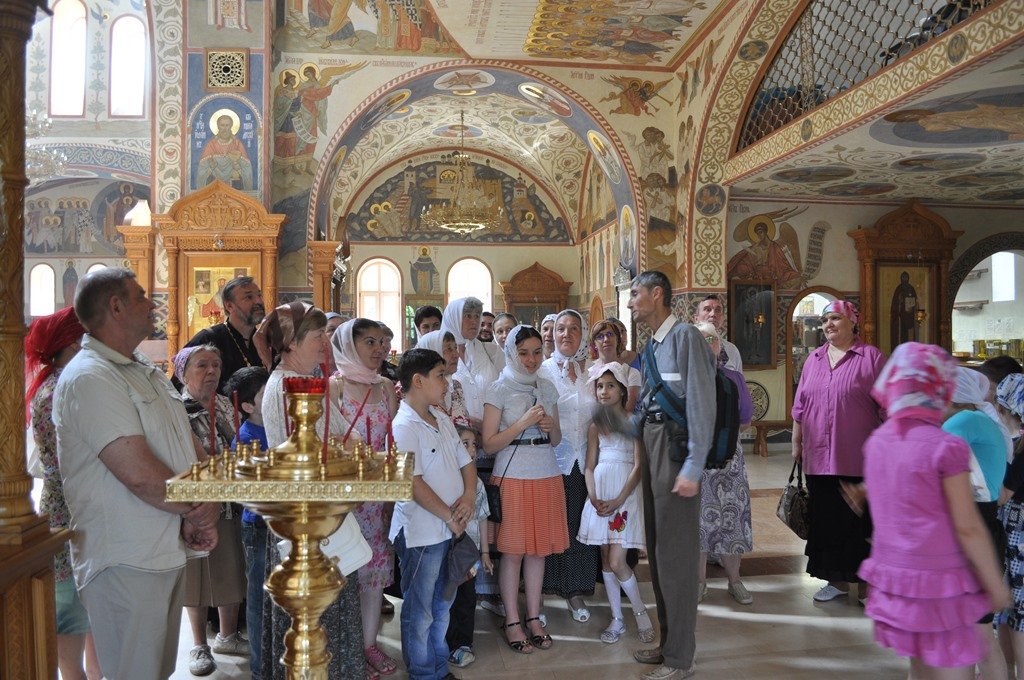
533 517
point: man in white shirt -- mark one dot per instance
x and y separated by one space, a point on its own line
122 432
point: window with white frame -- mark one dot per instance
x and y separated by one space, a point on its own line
68 59
379 293
469 277
42 290
128 61
1004 277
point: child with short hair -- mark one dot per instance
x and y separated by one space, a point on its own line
249 383
613 514
462 619
444 496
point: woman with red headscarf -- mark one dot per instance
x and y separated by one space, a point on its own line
50 344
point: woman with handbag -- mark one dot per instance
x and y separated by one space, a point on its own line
833 414
292 340
521 426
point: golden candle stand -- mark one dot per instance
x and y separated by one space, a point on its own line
304 498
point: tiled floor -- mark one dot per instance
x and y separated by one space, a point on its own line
784 634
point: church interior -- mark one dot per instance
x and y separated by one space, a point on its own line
373 156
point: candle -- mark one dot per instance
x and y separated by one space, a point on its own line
367 437
327 421
211 411
391 436
238 418
287 424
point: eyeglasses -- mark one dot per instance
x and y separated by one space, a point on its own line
607 335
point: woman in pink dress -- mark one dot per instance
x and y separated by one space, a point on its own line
932 568
368 400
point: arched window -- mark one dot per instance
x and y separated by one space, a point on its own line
379 295
68 59
42 290
469 277
128 61
95 267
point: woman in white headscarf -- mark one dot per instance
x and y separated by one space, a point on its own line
367 400
480 363
443 342
572 574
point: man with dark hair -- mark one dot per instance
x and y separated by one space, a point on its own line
121 434
671 478
427 318
243 312
996 369
486 333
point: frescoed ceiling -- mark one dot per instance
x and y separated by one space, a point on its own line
962 142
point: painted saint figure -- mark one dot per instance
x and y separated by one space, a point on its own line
225 158
903 313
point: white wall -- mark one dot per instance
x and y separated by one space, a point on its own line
994 321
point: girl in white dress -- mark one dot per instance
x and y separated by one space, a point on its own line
613 514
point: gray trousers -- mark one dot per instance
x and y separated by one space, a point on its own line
135 617
673 526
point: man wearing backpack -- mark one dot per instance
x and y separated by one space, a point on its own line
684 370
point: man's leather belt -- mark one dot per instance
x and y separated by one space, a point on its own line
535 441
656 417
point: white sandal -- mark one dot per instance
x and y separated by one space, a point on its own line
581 615
614 632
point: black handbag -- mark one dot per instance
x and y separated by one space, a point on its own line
493 492
794 506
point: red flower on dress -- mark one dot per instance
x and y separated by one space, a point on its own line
618 523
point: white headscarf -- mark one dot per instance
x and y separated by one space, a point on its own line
972 387
513 366
451 318
346 358
434 340
476 368
582 352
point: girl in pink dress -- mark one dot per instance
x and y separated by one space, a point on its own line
368 400
932 568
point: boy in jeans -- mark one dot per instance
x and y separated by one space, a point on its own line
249 383
444 491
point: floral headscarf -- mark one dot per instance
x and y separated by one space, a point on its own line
844 307
181 361
917 377
277 330
346 358
1010 393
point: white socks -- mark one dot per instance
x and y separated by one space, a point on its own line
611 584
632 589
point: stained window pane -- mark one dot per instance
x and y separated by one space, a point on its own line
128 60
470 278
68 59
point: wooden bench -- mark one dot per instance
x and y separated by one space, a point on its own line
761 429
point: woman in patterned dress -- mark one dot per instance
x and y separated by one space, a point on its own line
296 334
50 344
368 400
725 520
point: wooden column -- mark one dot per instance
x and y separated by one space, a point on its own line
27 630
139 250
321 255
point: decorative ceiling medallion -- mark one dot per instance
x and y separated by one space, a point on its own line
753 50
227 70
956 50
806 129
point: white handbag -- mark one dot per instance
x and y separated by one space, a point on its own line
346 547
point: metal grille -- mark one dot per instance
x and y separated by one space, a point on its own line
838 43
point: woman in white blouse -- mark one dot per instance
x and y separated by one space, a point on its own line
480 363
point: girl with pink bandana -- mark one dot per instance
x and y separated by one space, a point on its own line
932 568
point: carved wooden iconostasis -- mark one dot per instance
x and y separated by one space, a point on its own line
211 236
535 292
904 275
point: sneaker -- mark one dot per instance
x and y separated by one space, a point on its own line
462 657
496 608
233 645
200 660
829 593
740 593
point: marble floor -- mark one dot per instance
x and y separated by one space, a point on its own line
784 634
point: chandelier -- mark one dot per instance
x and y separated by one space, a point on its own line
461 204
41 162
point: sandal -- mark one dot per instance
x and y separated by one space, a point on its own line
380 661
539 641
371 672
519 646
645 635
581 615
613 633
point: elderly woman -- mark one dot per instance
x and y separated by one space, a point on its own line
480 363
294 335
572 574
218 579
608 343
833 414
50 344
725 524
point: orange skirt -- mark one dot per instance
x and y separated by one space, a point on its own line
533 517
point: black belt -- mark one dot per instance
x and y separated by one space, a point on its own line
535 441
656 417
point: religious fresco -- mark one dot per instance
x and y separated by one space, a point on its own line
80 218
363 27
597 204
636 95
238 23
393 210
224 144
426 280
988 117
771 249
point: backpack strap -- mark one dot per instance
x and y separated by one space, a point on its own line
672 405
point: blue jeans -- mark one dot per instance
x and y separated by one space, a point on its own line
424 620
254 543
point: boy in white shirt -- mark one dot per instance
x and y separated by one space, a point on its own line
444 490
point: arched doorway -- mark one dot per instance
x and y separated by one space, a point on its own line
803 332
